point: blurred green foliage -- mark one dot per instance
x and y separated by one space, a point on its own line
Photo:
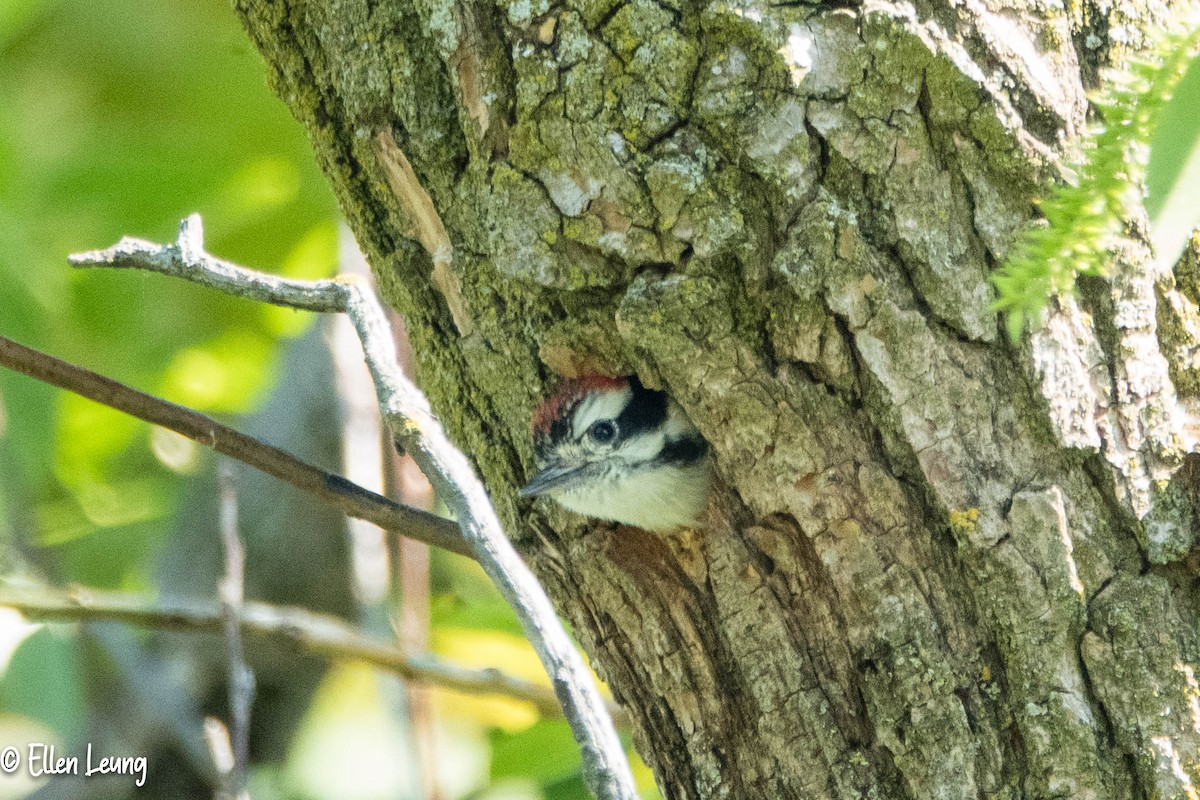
120 118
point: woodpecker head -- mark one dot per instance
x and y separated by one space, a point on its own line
613 449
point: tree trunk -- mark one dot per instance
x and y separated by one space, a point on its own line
937 564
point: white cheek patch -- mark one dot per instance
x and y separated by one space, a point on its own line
598 406
641 448
655 500
677 425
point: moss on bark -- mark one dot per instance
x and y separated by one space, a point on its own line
930 567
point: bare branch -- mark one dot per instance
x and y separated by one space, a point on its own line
216 736
412 422
233 596
333 489
187 259
317 634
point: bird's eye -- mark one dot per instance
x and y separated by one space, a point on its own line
603 431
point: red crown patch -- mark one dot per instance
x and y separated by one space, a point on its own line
567 394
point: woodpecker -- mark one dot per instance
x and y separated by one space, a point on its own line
613 449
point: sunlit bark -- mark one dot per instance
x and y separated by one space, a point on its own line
938 565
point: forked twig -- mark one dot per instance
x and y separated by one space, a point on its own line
232 593
349 497
318 634
412 423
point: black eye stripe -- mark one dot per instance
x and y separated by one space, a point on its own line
684 451
559 431
646 410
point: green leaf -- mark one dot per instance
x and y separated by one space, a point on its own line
1083 220
545 752
1173 174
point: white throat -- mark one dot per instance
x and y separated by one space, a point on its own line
659 499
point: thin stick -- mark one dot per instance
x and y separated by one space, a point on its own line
408 415
412 561
233 597
318 634
412 422
333 489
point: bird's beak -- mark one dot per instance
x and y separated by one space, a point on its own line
554 476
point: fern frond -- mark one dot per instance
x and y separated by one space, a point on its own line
1082 221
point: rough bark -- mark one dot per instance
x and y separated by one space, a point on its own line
937 565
